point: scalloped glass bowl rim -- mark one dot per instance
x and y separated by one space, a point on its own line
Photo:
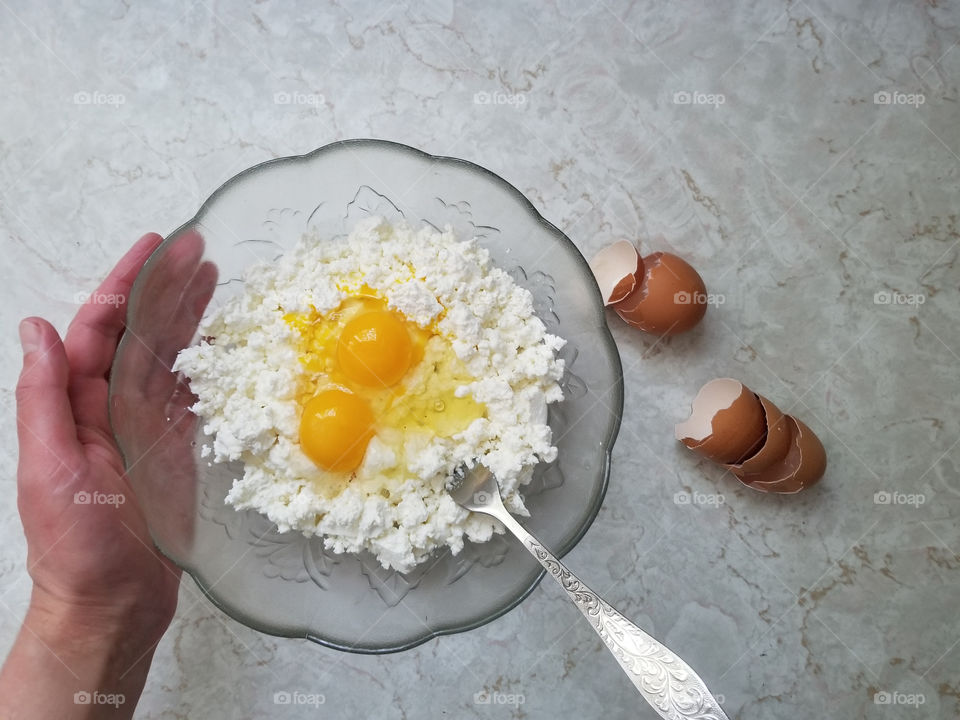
602 329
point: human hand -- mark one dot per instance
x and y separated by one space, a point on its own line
102 594
88 549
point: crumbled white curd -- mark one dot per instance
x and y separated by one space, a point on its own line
247 373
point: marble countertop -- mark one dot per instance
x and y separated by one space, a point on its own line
804 156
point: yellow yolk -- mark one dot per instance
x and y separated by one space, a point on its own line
375 348
368 370
335 428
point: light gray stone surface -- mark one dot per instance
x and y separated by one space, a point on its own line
800 197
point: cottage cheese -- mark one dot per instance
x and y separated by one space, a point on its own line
245 376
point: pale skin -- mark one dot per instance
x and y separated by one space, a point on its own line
102 594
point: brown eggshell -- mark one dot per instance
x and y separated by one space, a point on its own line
669 299
790 486
776 442
727 422
617 269
802 466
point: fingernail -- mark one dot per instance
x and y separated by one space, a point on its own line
29 336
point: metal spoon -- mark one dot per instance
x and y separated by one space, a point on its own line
671 687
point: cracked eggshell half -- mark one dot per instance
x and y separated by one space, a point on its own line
776 442
727 422
802 466
617 269
669 299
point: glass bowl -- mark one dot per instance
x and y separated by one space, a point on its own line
284 583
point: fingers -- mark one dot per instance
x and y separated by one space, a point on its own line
93 335
144 379
46 430
170 301
168 310
161 292
190 308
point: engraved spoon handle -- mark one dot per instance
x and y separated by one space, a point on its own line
671 686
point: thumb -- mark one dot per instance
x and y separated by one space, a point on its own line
46 431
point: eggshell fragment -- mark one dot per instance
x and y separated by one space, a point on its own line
775 444
669 299
802 466
786 456
727 422
617 269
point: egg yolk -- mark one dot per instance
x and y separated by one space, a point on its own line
375 349
335 428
